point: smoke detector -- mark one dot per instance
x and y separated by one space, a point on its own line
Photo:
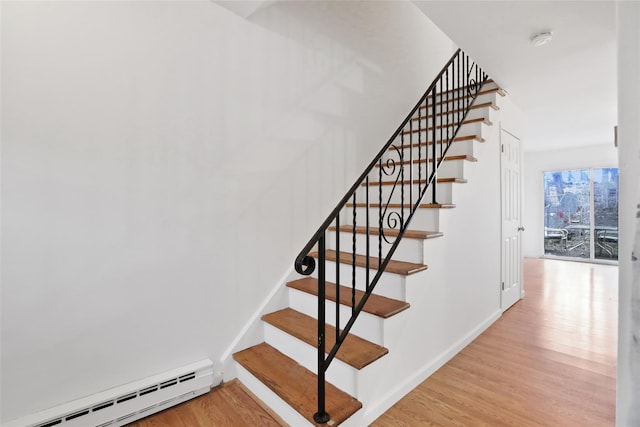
541 39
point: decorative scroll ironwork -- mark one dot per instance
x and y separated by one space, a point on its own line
394 222
416 149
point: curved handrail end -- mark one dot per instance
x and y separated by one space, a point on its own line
305 265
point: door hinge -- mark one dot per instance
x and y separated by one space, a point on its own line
502 147
503 288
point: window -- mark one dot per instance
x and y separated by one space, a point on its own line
581 213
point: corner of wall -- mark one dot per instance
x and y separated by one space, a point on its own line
252 332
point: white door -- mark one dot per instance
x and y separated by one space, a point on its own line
511 219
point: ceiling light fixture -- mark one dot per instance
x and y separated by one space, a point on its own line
541 39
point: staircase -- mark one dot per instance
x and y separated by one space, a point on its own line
358 269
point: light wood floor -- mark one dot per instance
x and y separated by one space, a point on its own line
229 405
548 361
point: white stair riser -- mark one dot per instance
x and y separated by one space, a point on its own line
457 148
463 89
453 107
423 219
391 195
391 285
483 97
452 169
339 373
475 128
367 326
463 148
410 250
441 119
479 129
444 193
488 113
418 169
415 245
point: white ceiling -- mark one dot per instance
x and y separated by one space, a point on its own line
566 89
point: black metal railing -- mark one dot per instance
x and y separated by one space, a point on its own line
407 167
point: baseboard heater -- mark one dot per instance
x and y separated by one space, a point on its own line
130 402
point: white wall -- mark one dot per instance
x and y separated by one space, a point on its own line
628 367
537 162
163 163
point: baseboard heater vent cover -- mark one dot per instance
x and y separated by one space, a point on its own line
128 403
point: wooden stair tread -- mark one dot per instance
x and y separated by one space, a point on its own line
296 385
466 157
354 351
429 129
398 267
464 88
446 159
418 181
454 180
473 107
406 206
390 232
440 141
485 105
376 304
455 97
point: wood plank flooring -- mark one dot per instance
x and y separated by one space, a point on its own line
229 405
548 361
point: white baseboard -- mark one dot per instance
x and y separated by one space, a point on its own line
378 407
